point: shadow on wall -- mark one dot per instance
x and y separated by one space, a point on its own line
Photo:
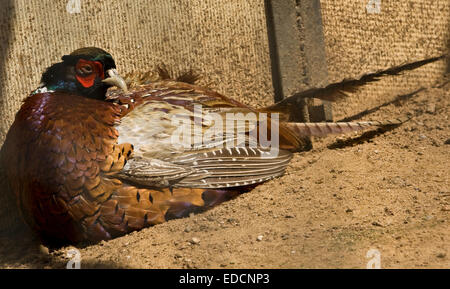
447 71
10 220
6 19
448 51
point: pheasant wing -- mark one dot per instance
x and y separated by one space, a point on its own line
182 137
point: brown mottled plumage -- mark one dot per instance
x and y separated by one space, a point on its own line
88 169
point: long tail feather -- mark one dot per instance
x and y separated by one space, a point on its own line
339 90
322 129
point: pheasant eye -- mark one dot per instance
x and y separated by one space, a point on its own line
84 68
87 71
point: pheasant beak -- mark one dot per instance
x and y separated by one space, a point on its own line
115 79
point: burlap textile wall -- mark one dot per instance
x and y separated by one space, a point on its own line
225 41
358 42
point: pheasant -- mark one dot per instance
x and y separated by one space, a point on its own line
89 159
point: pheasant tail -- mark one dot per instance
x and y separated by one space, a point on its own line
339 90
322 129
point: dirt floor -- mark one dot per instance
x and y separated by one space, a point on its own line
384 190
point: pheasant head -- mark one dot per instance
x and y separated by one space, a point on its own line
88 72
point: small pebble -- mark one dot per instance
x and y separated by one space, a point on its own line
441 255
195 240
259 238
431 108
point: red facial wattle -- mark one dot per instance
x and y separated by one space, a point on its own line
88 79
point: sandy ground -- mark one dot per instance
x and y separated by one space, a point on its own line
383 190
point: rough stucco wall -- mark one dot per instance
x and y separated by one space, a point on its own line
403 31
225 41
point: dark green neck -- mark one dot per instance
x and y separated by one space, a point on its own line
61 77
